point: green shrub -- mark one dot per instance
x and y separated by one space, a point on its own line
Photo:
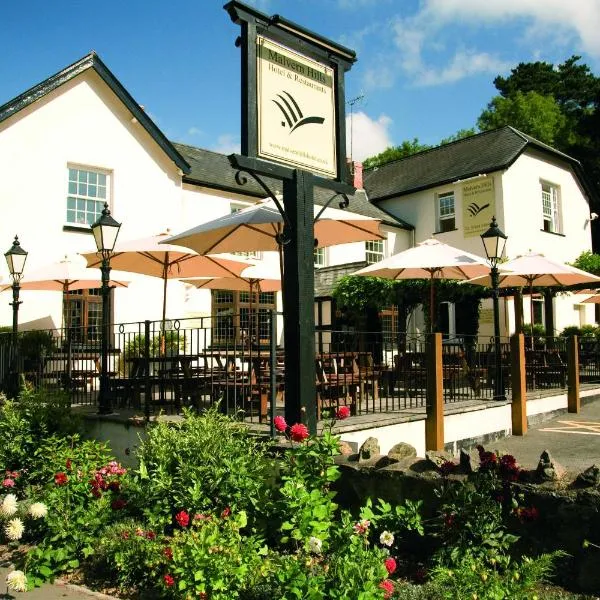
207 462
36 416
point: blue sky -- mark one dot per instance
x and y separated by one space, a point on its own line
425 67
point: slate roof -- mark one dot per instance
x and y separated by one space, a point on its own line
327 277
213 170
92 61
476 155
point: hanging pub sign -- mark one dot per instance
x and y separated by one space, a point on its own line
293 107
296 109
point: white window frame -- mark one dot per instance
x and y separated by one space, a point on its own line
320 256
443 212
551 209
374 251
84 194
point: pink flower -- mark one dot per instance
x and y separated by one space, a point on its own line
182 518
125 535
390 565
61 479
362 526
388 588
343 412
168 579
298 432
226 512
8 483
280 424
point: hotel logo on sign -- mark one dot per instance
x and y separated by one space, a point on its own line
296 109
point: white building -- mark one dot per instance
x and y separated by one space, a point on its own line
539 196
77 140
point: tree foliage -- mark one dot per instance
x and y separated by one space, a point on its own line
588 261
533 113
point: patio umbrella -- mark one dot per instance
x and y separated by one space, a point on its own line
151 256
63 276
260 226
428 260
536 270
595 299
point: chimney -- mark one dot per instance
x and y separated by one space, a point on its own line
355 174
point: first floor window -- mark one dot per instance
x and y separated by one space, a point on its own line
375 251
82 310
319 254
446 212
241 317
550 208
87 192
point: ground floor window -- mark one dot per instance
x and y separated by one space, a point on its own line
241 316
82 314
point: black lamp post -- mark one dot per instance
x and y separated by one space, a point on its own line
494 241
105 231
15 259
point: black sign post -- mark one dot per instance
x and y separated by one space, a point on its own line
293 130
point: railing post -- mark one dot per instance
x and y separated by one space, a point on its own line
519 394
573 401
434 422
146 357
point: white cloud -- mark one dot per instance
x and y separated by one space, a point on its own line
227 144
464 64
581 18
369 136
195 131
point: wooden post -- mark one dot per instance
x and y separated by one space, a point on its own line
517 373
434 422
518 307
573 402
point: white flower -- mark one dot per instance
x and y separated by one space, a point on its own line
14 529
386 538
315 545
9 505
38 510
16 581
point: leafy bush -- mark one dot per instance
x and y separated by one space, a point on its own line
586 331
202 463
33 346
36 416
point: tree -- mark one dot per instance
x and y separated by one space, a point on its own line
588 261
532 113
461 134
406 148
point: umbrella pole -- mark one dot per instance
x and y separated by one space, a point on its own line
531 309
164 311
68 332
431 302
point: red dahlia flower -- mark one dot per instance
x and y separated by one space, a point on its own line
168 579
298 432
182 518
8 483
61 479
390 565
280 424
388 588
168 552
343 412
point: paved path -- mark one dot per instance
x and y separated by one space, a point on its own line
49 592
573 440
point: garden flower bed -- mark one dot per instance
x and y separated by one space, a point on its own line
213 512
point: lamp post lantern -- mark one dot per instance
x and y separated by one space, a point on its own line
494 241
15 259
105 231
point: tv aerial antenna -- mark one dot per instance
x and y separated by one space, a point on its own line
358 100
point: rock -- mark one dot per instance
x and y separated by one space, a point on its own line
437 459
465 462
345 448
588 579
548 469
369 449
401 451
589 478
385 461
